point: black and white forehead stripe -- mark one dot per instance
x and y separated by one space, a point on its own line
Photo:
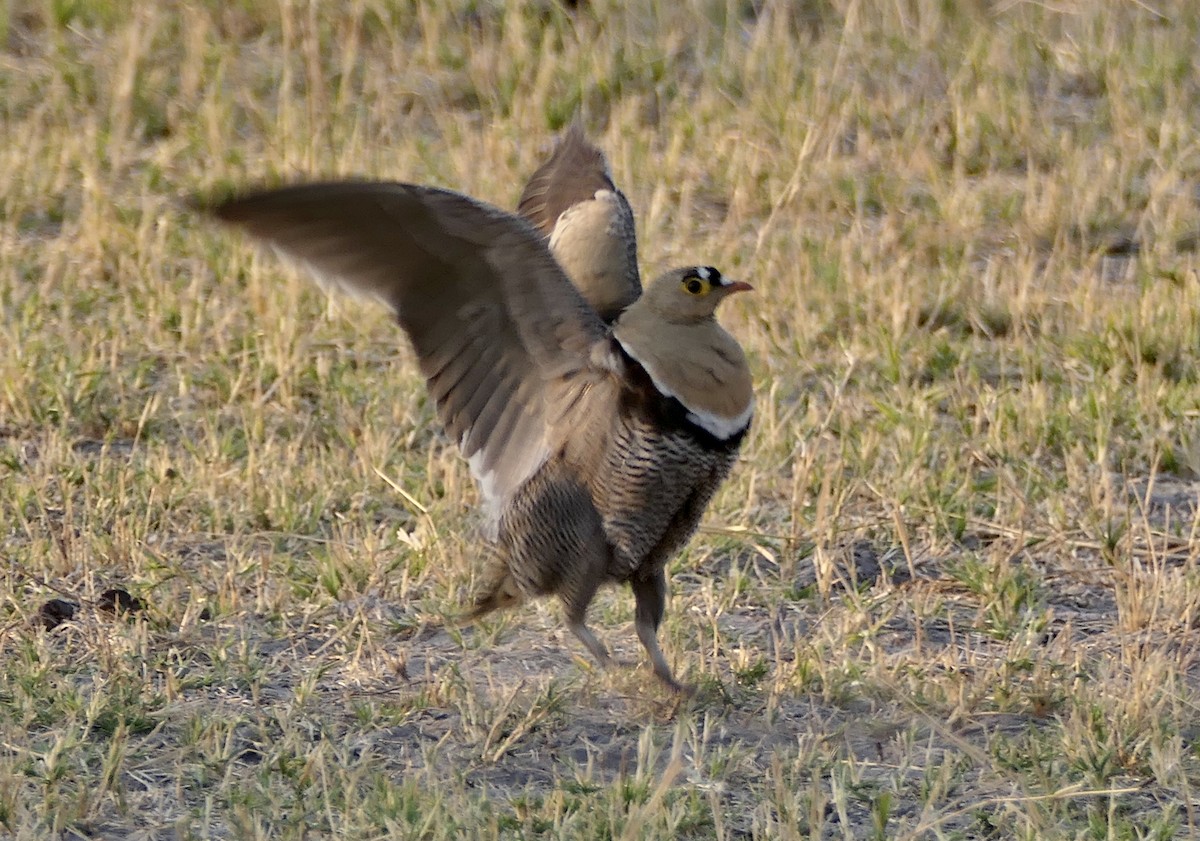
710 274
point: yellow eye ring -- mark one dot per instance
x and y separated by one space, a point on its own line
693 286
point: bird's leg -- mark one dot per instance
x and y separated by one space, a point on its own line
575 598
650 594
580 629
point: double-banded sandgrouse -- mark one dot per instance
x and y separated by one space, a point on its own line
596 446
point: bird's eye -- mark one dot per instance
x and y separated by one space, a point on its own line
694 286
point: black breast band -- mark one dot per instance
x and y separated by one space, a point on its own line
641 397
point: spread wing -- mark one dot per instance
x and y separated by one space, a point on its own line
572 200
573 174
506 343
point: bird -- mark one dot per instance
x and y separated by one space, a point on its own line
572 200
596 446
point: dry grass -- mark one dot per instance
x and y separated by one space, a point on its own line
952 590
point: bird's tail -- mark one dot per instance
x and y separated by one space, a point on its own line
503 593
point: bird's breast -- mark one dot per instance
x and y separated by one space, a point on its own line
706 389
643 400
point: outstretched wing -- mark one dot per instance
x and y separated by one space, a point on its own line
505 342
572 174
573 201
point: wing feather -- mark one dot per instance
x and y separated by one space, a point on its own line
572 174
501 334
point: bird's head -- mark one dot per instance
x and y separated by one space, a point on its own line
691 294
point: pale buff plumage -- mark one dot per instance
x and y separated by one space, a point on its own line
713 381
597 448
572 200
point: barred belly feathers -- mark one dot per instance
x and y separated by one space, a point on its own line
598 420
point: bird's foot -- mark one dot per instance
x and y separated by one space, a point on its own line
683 690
